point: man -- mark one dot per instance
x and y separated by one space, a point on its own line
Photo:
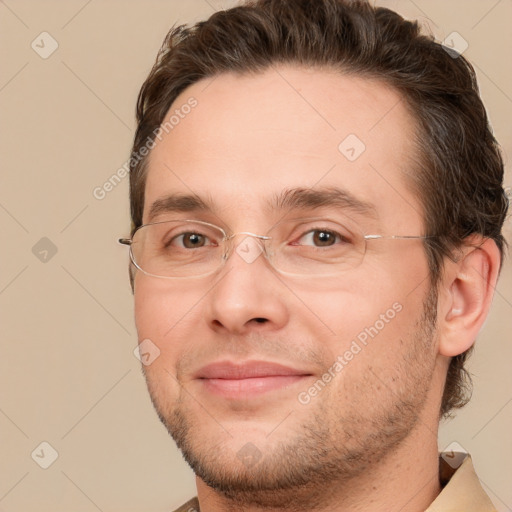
317 205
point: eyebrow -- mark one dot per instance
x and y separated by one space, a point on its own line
311 198
178 203
286 200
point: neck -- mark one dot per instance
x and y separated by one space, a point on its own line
406 480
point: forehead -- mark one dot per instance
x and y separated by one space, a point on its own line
249 137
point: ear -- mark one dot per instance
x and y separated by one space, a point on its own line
466 293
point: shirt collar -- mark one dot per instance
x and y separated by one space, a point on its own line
461 488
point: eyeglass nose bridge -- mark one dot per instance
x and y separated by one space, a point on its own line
248 233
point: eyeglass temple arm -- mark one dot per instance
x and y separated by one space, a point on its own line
125 241
374 237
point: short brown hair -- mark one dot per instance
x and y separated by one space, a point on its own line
459 172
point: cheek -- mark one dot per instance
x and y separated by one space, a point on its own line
165 313
161 317
370 308
353 301
160 305
151 310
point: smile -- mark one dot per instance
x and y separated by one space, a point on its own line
248 379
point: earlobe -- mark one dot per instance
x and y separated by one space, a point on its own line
469 288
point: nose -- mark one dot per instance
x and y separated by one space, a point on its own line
247 295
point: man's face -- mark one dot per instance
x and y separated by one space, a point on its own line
245 424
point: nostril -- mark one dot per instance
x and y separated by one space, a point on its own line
260 320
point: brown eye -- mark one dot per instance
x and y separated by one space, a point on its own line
324 238
320 238
190 240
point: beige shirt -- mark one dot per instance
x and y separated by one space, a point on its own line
461 491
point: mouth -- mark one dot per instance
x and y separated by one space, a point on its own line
248 379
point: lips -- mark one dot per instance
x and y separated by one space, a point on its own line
246 379
247 370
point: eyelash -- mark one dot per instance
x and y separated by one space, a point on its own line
338 237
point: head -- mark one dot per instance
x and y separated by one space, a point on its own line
262 95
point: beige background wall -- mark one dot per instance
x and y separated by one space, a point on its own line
68 376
